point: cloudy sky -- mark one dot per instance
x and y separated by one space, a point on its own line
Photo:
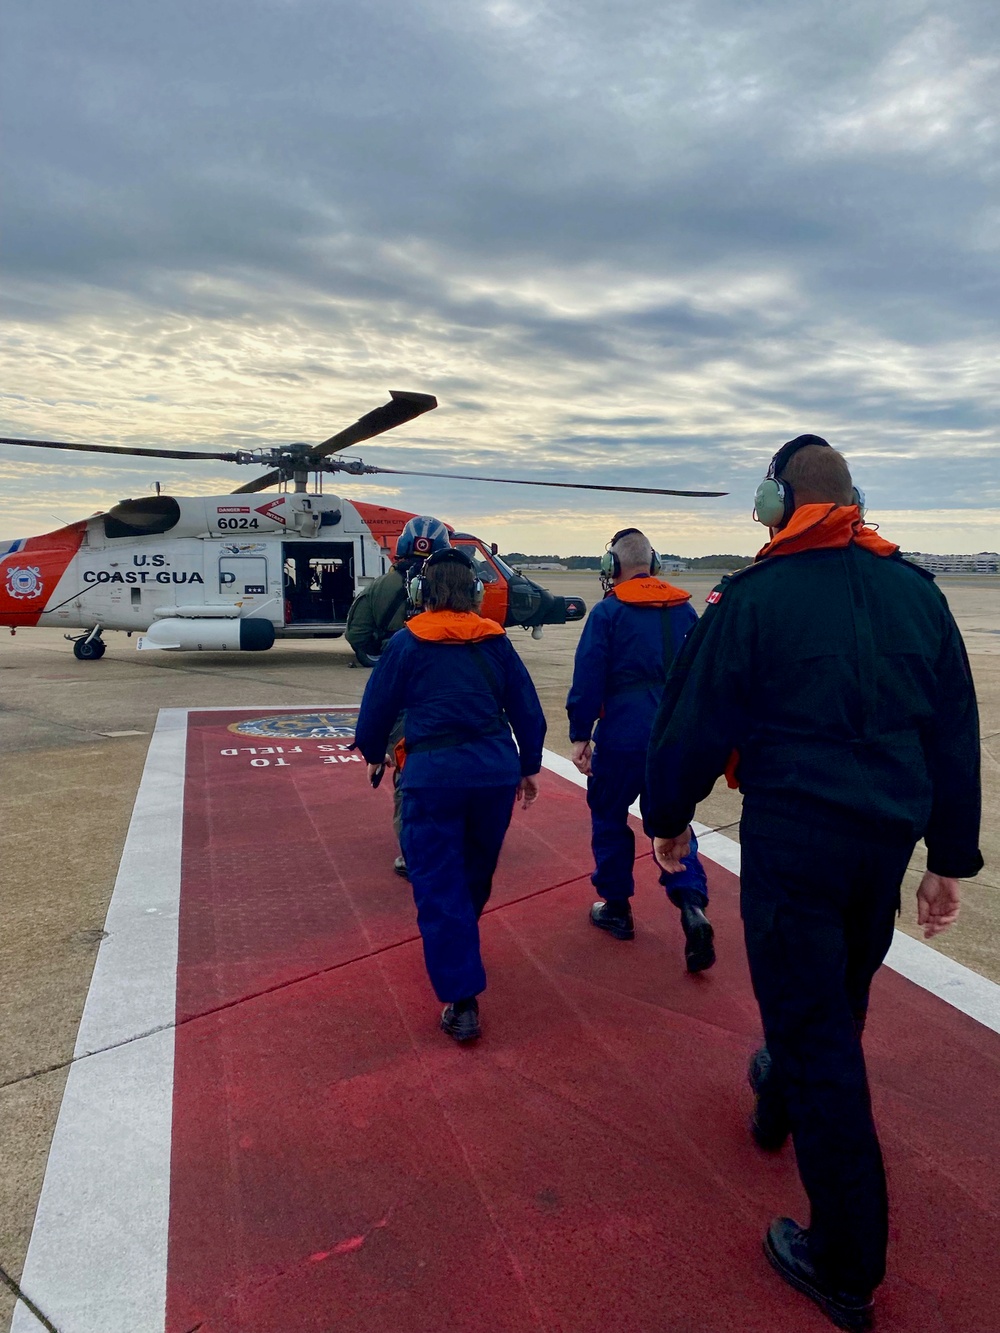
631 241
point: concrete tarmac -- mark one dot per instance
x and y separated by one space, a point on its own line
73 738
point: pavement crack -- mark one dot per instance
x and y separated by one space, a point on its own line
15 1287
276 989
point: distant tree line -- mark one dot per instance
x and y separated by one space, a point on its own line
594 561
719 561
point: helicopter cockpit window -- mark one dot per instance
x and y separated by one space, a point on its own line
142 518
506 569
484 569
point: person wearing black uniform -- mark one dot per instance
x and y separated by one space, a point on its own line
831 672
463 689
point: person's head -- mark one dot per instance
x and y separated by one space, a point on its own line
629 555
421 537
449 582
806 470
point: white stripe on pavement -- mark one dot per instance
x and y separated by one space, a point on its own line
952 982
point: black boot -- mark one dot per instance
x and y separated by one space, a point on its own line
699 946
614 916
769 1123
461 1019
787 1248
399 866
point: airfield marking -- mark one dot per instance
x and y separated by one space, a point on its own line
99 1240
110 1157
958 985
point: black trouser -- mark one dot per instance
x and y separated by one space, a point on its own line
818 900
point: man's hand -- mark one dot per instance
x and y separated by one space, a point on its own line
527 791
938 902
373 769
583 753
668 851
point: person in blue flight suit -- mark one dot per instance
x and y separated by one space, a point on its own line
463 689
622 659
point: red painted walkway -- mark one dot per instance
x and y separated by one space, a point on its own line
340 1165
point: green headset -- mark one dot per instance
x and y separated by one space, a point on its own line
774 502
611 566
418 588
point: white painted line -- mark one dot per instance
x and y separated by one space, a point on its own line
957 985
97 1261
716 846
962 988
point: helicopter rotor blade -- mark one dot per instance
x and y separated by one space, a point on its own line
258 484
114 449
402 407
568 485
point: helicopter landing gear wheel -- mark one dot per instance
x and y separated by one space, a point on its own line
366 659
89 650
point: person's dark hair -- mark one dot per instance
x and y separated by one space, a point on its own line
450 587
819 475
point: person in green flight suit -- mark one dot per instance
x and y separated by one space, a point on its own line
381 611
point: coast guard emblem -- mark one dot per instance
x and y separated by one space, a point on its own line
24 581
334 724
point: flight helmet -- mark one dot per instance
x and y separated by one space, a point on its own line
421 537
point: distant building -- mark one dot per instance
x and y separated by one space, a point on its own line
986 562
540 564
670 565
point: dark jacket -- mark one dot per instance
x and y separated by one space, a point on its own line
621 664
471 693
841 679
379 611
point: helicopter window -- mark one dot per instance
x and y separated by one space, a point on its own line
484 569
511 573
243 576
142 518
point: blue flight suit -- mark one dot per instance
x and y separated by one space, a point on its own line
621 663
462 698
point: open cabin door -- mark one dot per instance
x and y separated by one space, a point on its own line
318 582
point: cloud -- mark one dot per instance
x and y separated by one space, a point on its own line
641 244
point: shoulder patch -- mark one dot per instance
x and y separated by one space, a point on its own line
717 592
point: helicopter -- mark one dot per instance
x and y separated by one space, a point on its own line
236 572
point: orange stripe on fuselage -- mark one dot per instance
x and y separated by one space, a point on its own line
30 576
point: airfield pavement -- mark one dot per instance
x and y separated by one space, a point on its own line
74 738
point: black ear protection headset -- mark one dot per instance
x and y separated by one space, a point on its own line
418 587
611 566
774 502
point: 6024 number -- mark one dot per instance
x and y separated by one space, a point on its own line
237 523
